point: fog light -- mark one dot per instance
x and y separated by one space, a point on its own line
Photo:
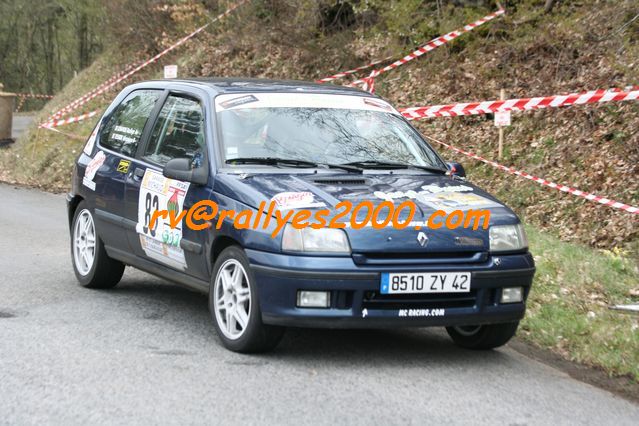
313 299
512 294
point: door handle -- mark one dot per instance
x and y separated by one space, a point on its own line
138 173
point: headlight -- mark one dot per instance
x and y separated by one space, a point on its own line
507 238
315 240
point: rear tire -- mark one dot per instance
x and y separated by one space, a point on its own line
483 336
92 266
235 308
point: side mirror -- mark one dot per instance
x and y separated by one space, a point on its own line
456 169
180 169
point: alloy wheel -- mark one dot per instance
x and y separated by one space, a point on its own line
84 242
232 299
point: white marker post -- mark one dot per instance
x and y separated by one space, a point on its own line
502 119
170 71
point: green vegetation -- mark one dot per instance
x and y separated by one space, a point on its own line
568 308
578 46
43 42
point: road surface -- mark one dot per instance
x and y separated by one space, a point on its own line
20 124
146 352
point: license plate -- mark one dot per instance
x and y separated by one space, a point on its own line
425 282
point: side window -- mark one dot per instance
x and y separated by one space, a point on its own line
178 132
123 130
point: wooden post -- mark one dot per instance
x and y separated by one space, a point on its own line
502 96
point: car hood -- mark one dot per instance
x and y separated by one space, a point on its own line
429 193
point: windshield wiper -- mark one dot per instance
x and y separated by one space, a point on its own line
347 167
374 164
290 162
271 161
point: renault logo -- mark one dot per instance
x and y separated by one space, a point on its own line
422 239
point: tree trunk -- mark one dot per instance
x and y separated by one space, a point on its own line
549 5
83 37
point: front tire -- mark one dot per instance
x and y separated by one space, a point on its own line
92 266
235 308
483 337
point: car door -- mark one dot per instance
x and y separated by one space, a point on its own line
178 132
117 142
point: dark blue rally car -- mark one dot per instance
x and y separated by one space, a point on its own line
240 143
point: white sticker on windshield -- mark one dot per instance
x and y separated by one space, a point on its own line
231 152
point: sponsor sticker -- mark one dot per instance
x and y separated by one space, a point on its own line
123 166
91 170
296 200
448 201
88 148
160 193
421 312
446 198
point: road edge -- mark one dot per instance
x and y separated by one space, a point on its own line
622 386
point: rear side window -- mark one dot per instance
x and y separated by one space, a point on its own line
178 132
124 129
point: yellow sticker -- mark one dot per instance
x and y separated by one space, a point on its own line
123 167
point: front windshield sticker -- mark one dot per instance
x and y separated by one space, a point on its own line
379 104
242 100
231 152
302 100
296 200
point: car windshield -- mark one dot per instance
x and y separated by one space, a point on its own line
318 133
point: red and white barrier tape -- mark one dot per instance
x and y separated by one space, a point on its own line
20 104
474 108
588 196
431 45
353 71
34 96
81 101
62 122
128 74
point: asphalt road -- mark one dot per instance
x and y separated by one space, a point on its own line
19 124
146 352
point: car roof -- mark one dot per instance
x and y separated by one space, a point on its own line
244 85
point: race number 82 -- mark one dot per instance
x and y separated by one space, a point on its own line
151 201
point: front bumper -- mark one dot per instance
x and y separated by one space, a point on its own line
355 298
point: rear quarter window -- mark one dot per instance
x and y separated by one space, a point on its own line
123 130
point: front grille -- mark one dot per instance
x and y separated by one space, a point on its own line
424 258
375 300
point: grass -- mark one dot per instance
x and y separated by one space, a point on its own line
568 307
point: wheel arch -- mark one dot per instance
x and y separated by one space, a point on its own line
219 244
72 203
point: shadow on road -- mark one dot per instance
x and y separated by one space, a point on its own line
184 308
